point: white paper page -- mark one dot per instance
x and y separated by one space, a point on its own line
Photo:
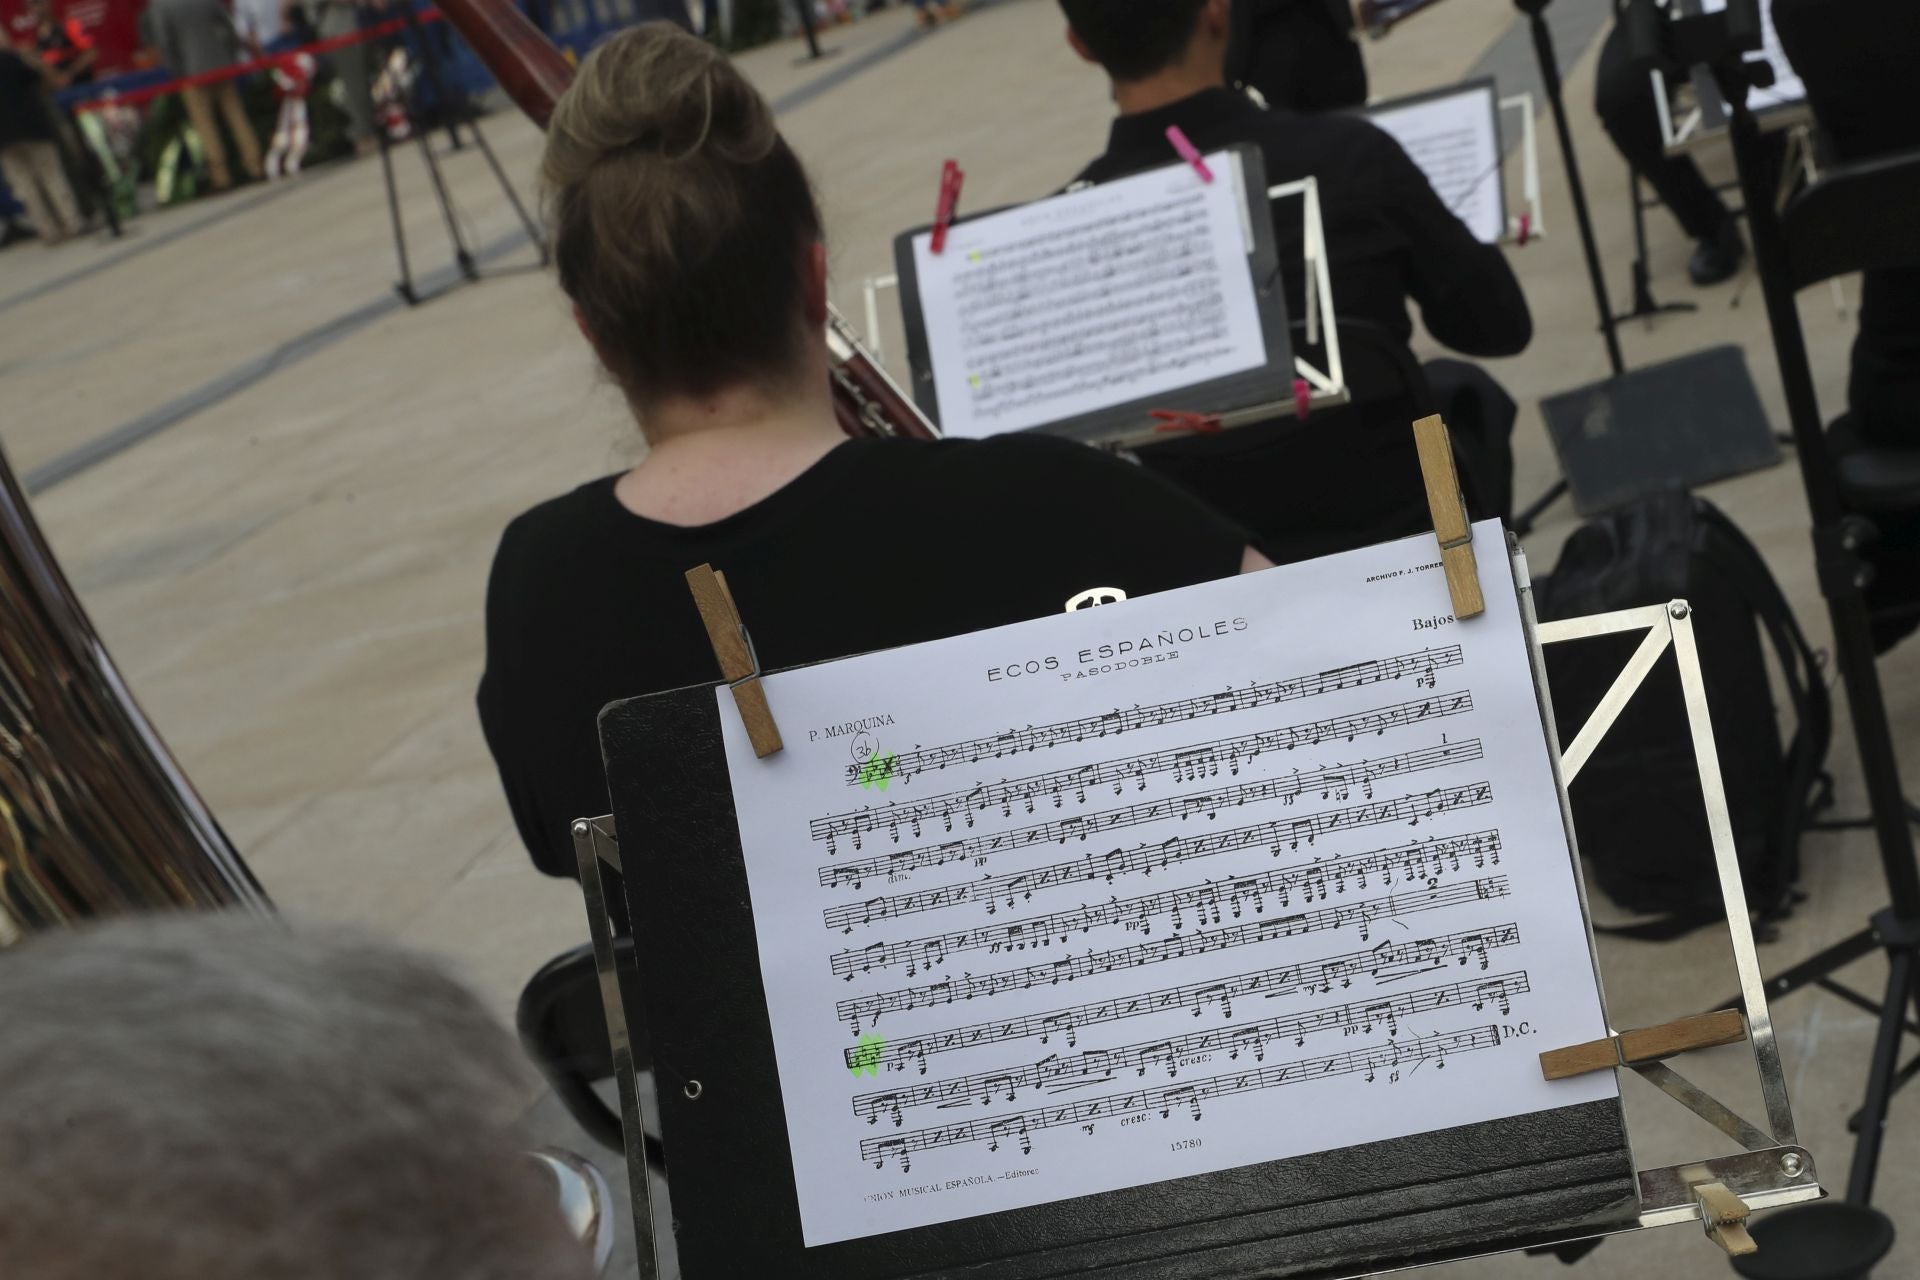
1089 300
1454 141
1258 868
1787 88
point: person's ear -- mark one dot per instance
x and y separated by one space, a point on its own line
1218 16
814 285
1080 46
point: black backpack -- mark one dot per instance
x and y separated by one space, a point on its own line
1637 809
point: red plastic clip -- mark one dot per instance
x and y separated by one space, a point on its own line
1526 228
950 180
1170 420
1302 398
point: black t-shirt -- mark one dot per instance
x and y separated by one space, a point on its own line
881 543
1389 235
1856 59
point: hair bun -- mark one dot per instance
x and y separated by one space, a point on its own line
681 221
656 90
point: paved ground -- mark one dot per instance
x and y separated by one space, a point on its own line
279 491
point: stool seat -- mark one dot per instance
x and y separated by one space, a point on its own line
1874 479
1832 1240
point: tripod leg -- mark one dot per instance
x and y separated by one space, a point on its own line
1880 1079
460 254
1523 523
506 185
405 285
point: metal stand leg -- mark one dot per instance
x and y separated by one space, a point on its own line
534 233
404 286
1644 307
1880 1080
1550 80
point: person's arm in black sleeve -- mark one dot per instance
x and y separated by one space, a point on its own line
512 733
1469 298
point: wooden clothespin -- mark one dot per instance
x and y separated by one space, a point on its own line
1450 523
1724 1215
1650 1044
738 663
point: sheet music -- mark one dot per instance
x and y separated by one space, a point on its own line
1225 875
1456 142
1089 300
1787 88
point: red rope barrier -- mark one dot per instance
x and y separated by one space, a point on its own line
134 97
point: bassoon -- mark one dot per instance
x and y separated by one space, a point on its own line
534 74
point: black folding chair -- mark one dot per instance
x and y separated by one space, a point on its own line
1858 217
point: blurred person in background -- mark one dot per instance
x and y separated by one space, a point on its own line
64 46
195 37
338 18
1299 55
203 1097
29 152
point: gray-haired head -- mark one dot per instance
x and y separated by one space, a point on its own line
208 1097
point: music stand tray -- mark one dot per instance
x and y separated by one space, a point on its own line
1678 424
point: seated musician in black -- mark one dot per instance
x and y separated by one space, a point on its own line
1856 58
1390 238
686 235
1623 99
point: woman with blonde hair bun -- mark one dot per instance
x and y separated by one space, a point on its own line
686 235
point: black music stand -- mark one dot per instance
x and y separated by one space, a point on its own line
1645 307
693 979
1712 456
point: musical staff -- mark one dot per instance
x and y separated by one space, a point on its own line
1208 902
1166 1099
1423 665
1058 1074
866 1010
1281 834
1186 764
1337 782
1386 963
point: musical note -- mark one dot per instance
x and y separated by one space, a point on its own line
866 1010
1336 782
1210 900
1186 764
1264 694
1075 1071
1165 1099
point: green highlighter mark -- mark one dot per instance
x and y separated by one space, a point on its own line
877 771
866 1057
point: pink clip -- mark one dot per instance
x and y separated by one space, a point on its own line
950 180
1302 398
1526 227
1169 420
1188 152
